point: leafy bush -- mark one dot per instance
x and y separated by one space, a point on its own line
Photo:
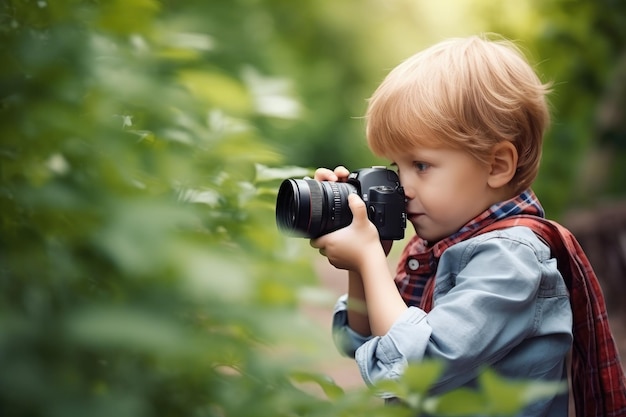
140 270
141 273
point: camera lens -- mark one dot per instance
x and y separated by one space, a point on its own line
311 208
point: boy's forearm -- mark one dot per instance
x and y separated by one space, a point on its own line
384 302
357 308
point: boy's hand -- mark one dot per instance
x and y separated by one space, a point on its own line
340 174
350 247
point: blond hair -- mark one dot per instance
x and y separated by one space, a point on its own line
467 93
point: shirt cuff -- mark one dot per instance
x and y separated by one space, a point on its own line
386 357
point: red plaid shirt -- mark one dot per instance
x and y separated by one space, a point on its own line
598 382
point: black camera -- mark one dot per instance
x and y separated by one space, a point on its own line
310 208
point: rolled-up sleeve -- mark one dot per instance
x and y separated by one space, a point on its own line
387 356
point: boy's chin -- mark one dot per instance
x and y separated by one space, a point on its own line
429 235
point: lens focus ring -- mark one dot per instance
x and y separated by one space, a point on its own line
336 208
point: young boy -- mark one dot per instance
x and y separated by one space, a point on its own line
463 123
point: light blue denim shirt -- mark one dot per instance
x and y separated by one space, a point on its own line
499 302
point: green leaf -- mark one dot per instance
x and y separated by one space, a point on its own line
128 16
412 387
129 328
330 388
217 90
265 173
505 396
460 402
420 377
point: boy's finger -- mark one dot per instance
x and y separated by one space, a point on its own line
325 174
341 172
357 206
315 243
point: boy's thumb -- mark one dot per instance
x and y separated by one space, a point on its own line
357 206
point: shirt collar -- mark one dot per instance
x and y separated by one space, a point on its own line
524 203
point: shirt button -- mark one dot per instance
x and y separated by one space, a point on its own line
413 264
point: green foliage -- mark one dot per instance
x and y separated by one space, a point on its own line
494 396
140 269
582 45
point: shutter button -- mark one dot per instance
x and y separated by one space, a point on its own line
413 264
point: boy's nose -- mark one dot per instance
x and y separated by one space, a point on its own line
408 192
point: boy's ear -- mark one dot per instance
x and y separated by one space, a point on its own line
503 164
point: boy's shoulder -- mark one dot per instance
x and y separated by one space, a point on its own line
513 254
512 240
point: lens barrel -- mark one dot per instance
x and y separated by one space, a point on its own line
311 208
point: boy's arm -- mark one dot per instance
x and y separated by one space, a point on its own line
384 303
357 248
358 319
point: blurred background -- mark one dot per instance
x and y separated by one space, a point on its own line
141 146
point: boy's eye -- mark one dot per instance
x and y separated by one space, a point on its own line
421 166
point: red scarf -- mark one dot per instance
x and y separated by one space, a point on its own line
598 381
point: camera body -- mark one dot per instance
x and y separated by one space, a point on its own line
310 208
384 198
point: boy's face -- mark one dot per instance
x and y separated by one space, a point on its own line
445 188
